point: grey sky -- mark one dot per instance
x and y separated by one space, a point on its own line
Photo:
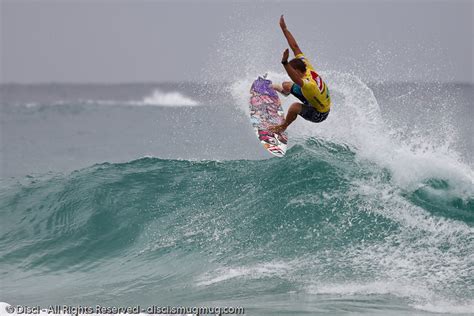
129 41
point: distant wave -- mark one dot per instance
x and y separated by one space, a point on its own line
167 99
156 98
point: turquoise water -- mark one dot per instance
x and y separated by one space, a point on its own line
320 227
104 202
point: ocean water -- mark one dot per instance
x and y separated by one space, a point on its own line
160 193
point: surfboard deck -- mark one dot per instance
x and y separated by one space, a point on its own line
266 110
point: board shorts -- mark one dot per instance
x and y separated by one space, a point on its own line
308 112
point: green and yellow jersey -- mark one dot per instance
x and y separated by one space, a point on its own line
314 89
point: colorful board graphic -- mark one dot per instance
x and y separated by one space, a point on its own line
266 110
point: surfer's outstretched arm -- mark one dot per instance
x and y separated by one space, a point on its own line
289 37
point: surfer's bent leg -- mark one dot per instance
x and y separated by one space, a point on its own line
284 88
294 109
293 112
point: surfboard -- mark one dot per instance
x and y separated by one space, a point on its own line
266 110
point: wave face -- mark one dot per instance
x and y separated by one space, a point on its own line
319 223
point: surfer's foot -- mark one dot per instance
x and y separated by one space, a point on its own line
277 128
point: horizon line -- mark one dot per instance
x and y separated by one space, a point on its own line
104 83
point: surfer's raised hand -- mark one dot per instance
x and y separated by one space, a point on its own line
289 37
282 22
286 54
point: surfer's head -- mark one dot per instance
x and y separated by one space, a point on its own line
298 65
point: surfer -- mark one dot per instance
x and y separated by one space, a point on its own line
306 85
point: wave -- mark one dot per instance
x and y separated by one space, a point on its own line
156 98
166 99
353 209
319 221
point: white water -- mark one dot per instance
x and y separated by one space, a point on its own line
411 264
356 120
166 99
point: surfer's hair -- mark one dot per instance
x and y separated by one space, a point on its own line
298 64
